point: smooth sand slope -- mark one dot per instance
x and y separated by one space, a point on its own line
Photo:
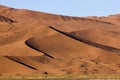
67 49
71 46
10 67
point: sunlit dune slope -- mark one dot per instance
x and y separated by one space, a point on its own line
108 37
33 42
61 46
68 50
10 67
65 44
114 19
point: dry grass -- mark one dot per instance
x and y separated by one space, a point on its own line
51 77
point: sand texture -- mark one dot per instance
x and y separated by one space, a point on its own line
34 42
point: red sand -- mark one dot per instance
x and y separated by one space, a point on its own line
74 46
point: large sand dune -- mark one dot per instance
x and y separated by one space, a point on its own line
33 43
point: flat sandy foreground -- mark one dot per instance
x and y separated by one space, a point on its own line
44 77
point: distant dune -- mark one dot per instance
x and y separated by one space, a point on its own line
33 43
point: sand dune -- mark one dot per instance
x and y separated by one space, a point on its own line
77 36
68 49
74 46
9 67
59 46
5 19
114 19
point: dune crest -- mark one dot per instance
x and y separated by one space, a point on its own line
30 45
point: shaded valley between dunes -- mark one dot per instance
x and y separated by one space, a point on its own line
37 43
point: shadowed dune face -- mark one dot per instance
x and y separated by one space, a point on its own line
77 36
101 36
74 46
68 50
9 67
60 46
5 23
7 20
